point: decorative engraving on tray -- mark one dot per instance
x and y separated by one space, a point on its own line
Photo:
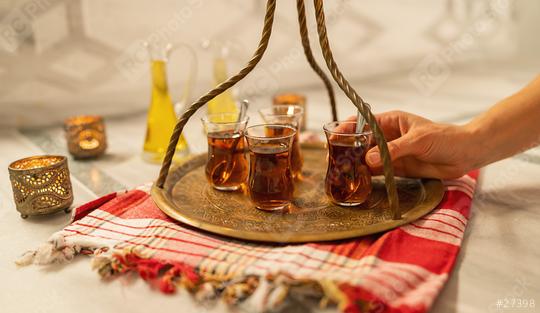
311 213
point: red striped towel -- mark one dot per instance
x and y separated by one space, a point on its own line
401 270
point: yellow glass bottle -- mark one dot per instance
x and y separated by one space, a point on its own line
161 115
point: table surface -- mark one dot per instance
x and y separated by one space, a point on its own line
499 258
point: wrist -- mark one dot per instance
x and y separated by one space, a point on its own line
477 144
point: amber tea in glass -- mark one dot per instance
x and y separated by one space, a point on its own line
290 98
270 182
348 180
290 115
227 166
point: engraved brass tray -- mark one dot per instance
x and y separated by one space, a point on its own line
188 198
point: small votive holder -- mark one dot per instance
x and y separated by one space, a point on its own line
290 98
41 185
85 136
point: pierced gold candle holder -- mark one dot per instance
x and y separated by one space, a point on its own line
85 136
41 185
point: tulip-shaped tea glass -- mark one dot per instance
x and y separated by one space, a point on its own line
289 98
348 180
227 166
270 181
290 115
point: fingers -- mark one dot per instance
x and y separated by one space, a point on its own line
393 124
390 123
412 167
345 128
409 147
397 148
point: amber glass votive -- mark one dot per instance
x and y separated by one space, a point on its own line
290 98
85 136
41 185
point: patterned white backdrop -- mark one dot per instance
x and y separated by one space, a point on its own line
61 57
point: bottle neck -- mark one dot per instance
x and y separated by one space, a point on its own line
220 70
159 76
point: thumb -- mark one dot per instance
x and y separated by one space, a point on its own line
397 148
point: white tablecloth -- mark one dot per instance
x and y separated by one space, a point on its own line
499 258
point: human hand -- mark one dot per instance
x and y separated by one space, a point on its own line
421 148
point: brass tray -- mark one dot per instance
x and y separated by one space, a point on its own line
188 198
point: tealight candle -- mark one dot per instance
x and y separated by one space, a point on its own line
85 136
41 185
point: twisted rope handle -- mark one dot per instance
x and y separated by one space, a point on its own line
263 44
301 8
362 106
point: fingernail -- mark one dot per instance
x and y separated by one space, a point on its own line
373 158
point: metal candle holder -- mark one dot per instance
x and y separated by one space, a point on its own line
41 185
338 77
85 136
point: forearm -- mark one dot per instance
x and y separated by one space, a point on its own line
510 127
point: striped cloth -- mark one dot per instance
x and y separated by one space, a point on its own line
401 270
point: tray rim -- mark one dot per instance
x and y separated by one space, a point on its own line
433 187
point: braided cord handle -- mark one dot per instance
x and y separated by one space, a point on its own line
301 8
263 44
362 106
